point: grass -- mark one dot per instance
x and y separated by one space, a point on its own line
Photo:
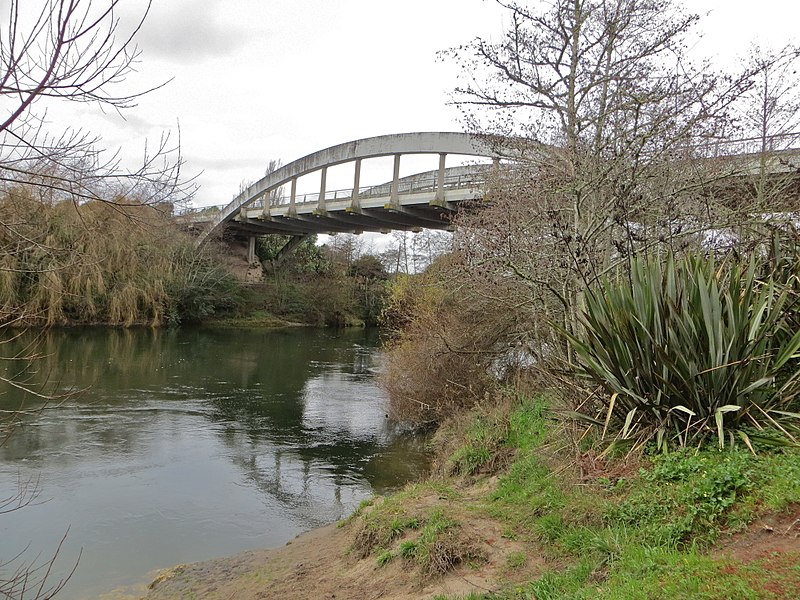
405 525
644 531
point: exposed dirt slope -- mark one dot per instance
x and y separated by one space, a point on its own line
320 564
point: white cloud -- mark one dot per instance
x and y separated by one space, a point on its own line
190 32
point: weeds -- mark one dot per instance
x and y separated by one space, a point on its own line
426 537
642 535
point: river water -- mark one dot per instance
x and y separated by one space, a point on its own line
191 444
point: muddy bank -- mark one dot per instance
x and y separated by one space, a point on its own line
321 564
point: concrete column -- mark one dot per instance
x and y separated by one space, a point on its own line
394 198
266 207
440 180
292 197
251 250
322 181
355 204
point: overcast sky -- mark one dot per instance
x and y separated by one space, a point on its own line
259 79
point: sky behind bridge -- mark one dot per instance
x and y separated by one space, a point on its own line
253 80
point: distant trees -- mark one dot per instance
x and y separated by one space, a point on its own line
413 252
769 114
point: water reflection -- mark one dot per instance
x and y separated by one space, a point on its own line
196 443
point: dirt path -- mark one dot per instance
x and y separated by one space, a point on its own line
314 565
320 565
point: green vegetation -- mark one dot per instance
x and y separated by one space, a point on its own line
612 350
319 285
406 526
692 349
684 358
636 529
125 263
101 262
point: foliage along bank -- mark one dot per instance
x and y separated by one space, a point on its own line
318 285
118 263
126 263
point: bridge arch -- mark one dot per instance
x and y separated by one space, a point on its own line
442 143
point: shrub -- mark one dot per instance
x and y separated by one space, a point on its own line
690 350
120 263
440 359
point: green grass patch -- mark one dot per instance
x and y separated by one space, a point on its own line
385 557
645 533
390 518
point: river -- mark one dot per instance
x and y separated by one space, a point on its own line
170 447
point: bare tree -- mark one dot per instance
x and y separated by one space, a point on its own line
769 112
611 125
74 51
427 246
66 51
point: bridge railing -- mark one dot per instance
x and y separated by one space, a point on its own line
749 146
428 184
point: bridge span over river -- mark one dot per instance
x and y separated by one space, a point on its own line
423 200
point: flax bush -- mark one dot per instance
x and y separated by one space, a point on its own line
689 351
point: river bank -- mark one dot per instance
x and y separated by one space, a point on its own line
192 443
319 564
323 564
507 515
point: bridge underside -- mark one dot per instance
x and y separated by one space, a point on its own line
376 214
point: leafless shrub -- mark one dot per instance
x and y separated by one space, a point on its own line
452 549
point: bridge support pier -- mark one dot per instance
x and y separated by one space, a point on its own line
287 249
251 250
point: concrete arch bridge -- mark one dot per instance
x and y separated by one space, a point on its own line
423 200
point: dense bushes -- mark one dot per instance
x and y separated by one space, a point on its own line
439 360
322 285
120 263
681 351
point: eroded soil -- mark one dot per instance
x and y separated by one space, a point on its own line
321 564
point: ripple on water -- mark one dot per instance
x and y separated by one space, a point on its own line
189 445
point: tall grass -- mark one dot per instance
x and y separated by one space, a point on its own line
692 350
121 264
